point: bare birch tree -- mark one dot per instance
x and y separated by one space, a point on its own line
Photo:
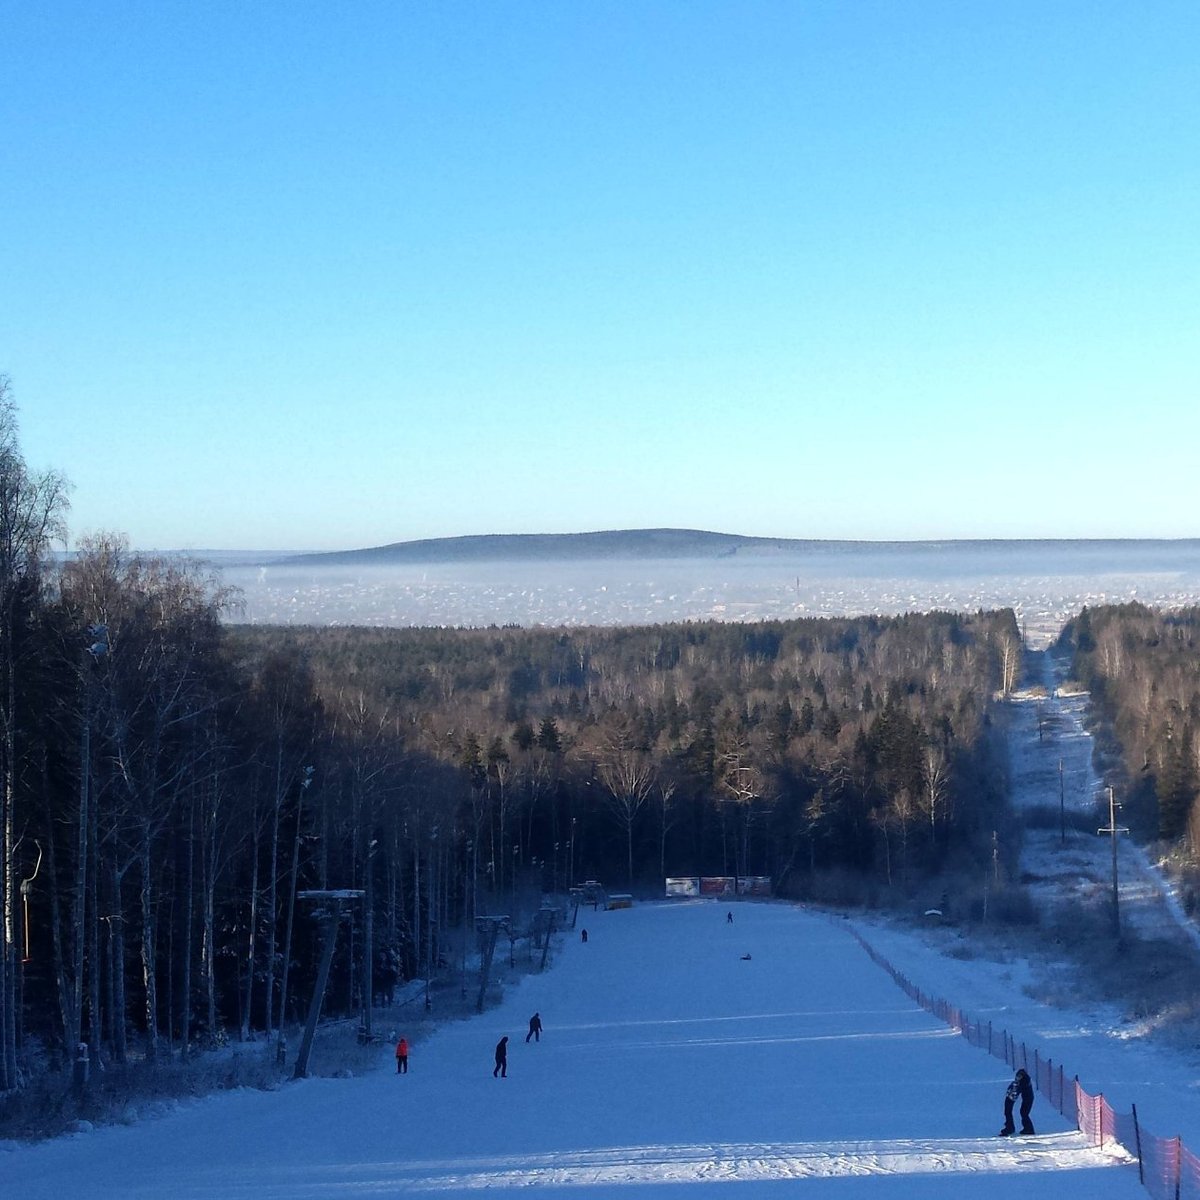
32 512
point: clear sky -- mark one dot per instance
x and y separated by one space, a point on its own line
329 275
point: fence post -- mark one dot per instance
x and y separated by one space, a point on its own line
1037 1071
1100 1118
1137 1137
1178 1165
1077 1123
990 1037
1062 1097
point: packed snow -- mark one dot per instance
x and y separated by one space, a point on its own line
679 1049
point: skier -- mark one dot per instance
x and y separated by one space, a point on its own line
402 1057
535 1028
1021 1089
501 1059
583 937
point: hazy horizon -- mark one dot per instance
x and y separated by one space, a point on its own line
1045 584
266 553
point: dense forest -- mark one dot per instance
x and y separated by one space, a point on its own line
1142 667
173 782
772 749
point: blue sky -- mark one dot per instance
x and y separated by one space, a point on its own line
320 276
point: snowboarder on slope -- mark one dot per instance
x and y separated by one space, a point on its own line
501 1059
1021 1089
535 1028
402 1057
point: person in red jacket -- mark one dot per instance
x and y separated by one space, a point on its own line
402 1057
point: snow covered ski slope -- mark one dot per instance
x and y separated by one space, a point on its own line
667 1062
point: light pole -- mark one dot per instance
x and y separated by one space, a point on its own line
471 879
1062 804
281 1042
467 913
571 873
429 902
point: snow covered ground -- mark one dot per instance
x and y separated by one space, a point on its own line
1121 1058
1044 731
668 1061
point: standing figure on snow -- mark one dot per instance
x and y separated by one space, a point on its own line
501 1059
1021 1089
729 918
402 1057
535 1028
583 936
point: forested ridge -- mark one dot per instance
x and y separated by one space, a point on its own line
709 747
171 782
1142 666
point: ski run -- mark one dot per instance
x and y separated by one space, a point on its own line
667 1061
680 1049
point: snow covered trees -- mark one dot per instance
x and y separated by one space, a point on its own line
1143 669
737 728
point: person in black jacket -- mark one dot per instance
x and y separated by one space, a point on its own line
501 1059
1021 1089
535 1028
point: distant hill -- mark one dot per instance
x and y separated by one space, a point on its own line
1070 554
558 547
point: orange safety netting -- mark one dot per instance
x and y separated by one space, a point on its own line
1166 1167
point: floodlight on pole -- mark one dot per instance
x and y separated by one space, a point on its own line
26 892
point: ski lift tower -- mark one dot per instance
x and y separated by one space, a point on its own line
489 929
331 907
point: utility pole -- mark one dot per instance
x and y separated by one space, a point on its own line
1113 829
